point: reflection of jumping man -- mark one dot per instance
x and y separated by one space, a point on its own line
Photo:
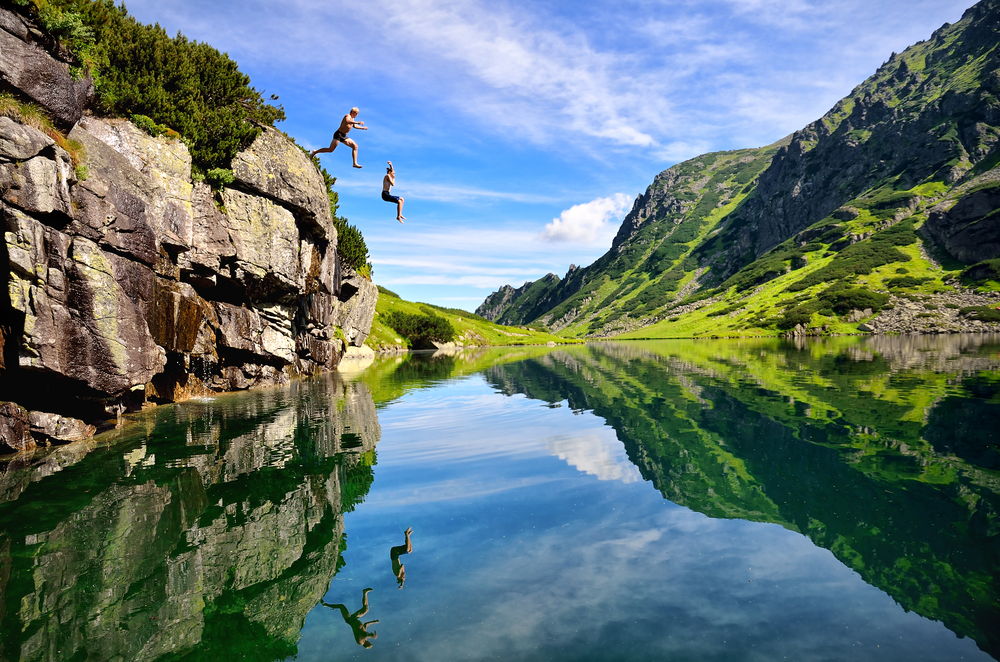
340 136
388 182
361 634
395 553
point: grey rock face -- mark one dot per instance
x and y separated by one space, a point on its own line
264 332
29 68
59 428
83 310
970 228
276 167
14 429
39 185
137 283
265 237
19 142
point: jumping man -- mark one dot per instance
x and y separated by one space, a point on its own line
388 182
340 135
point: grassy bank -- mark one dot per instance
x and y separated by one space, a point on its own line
468 329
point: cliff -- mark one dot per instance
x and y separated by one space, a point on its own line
127 282
889 199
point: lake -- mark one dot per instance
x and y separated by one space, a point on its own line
762 499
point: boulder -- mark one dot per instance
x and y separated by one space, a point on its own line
60 428
84 310
276 167
165 162
968 229
180 321
316 354
267 245
39 185
265 332
19 142
355 307
29 68
14 428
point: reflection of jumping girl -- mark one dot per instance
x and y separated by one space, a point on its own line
388 182
361 634
395 553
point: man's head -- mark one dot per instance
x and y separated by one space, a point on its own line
355 111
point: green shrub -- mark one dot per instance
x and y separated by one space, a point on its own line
795 316
219 177
421 330
863 257
351 244
906 281
981 313
387 292
148 125
930 306
140 70
844 300
985 270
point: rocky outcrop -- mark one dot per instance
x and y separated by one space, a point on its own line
27 65
137 284
969 227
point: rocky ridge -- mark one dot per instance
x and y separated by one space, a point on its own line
918 142
127 282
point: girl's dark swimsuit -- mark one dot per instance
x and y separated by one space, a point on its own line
388 197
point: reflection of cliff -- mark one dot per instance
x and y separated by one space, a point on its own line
910 504
164 549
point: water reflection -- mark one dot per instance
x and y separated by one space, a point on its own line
398 569
154 548
358 628
212 529
883 451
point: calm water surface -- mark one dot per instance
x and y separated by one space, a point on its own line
754 500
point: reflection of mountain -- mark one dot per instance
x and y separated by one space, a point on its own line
847 443
214 547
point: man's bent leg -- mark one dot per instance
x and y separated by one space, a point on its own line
333 146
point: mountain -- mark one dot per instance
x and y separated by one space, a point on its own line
884 211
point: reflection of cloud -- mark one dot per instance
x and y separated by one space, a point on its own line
595 454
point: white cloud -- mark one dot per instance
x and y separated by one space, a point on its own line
589 222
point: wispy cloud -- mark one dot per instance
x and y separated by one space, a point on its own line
423 190
588 222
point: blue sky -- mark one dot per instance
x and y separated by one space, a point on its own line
522 131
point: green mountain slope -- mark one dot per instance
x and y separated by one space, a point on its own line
873 213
